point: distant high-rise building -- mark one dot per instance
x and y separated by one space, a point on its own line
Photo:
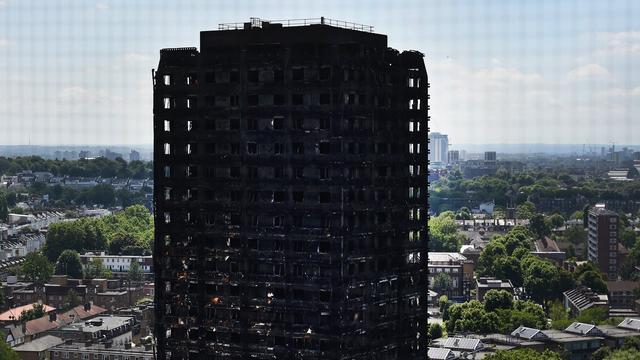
603 240
438 147
290 195
489 156
134 155
83 154
453 156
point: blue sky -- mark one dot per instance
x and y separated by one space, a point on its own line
79 71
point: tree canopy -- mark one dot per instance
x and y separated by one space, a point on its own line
524 354
36 268
69 264
129 231
443 233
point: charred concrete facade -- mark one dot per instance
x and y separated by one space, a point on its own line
290 197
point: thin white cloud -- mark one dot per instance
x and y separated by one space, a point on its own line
102 6
137 58
619 43
636 91
3 41
587 71
73 93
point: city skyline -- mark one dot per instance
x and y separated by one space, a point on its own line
500 72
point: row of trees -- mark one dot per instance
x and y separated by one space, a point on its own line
38 269
443 233
84 167
504 188
129 232
497 313
509 258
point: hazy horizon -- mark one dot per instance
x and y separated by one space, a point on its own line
500 70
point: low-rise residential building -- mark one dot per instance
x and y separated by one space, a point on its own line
547 248
582 298
19 333
440 354
120 263
621 293
528 333
100 351
451 264
102 327
38 349
576 346
484 284
13 314
459 344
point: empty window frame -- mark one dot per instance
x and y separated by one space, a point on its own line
167 102
252 100
298 148
278 196
325 99
325 124
414 104
298 196
191 148
191 79
167 149
277 123
167 125
252 148
324 197
298 123
324 73
324 148
297 99
297 74
166 79
253 75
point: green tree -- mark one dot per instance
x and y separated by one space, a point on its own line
593 280
575 235
34 313
544 281
442 283
555 221
523 354
538 226
96 270
525 210
4 208
435 331
443 303
121 241
472 317
36 268
6 352
497 299
72 299
626 354
601 354
135 272
444 234
577 215
69 264
80 235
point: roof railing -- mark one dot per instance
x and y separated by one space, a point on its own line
259 23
